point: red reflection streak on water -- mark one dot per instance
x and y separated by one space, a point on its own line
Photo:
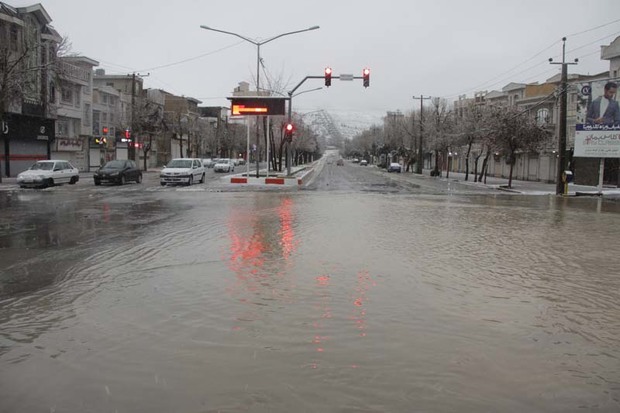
325 313
255 258
106 212
363 284
287 234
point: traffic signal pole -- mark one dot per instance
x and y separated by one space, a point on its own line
365 78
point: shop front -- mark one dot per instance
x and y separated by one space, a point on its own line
24 140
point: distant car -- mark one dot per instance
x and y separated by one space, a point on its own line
224 165
208 163
48 173
355 160
240 161
364 162
119 172
340 162
182 171
394 167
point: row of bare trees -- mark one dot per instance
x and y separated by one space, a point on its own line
478 131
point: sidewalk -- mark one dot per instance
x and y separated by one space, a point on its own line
526 187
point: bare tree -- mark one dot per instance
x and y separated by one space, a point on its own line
517 132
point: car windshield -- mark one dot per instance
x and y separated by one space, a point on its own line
115 164
223 160
180 163
42 166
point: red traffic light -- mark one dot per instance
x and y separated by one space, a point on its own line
105 130
288 131
127 134
366 76
328 76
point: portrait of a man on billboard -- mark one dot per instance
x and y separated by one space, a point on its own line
604 109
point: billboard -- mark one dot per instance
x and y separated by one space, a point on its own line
597 133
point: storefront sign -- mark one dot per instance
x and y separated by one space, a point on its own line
69 144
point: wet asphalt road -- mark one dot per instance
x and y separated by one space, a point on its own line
364 291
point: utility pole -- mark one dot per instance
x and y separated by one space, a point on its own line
131 151
559 189
420 151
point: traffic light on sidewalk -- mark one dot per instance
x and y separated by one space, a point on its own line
328 76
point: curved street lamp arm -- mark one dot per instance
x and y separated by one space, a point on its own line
286 34
231 33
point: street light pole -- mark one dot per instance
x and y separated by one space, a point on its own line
258 44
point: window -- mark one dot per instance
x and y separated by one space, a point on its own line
111 117
52 92
104 117
62 128
111 84
542 117
67 94
78 92
86 117
104 98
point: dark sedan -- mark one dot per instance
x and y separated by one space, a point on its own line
118 172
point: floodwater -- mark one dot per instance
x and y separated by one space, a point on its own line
309 302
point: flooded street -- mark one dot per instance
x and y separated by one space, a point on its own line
323 300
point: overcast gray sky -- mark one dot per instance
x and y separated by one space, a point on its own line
432 47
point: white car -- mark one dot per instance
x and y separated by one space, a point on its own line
182 171
48 173
224 165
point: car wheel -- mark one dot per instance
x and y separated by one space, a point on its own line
202 179
73 180
191 180
97 182
162 183
123 180
48 183
139 179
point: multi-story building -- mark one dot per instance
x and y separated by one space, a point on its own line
107 127
74 110
130 88
27 127
183 138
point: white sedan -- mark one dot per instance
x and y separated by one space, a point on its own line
224 165
48 173
182 171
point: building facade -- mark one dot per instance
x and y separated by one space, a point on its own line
28 50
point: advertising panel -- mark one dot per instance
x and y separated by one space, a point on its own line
597 132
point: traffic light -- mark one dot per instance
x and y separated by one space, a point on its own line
328 76
288 131
128 135
366 77
105 130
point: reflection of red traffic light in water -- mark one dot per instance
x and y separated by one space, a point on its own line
364 282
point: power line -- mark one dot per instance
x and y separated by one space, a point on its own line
190 59
593 28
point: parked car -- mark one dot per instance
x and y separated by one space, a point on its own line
355 160
240 161
340 162
224 165
394 167
48 173
208 163
119 172
182 171
364 162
